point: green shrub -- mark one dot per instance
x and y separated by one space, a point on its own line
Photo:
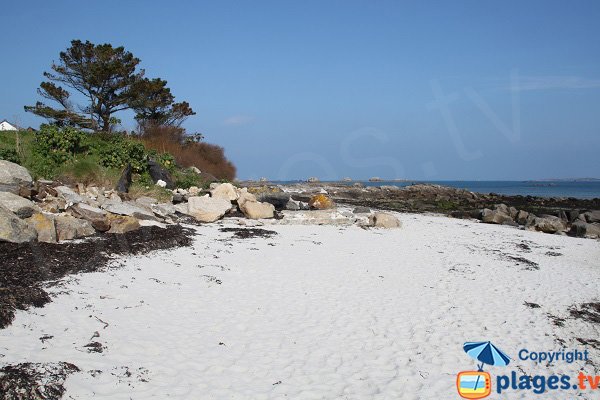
58 144
116 151
10 155
187 178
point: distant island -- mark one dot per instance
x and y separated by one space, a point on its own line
565 180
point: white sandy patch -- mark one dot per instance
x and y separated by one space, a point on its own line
315 312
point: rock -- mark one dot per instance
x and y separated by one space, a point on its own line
12 176
53 204
320 217
182 208
244 195
304 206
503 208
23 208
69 227
347 179
96 216
573 215
69 195
177 198
164 209
194 190
358 185
257 210
495 216
159 173
44 226
549 224
513 212
361 210
123 224
13 229
161 183
146 201
313 179
522 217
320 202
194 169
207 209
145 222
592 216
125 180
128 208
583 229
224 191
292 205
384 220
278 200
375 179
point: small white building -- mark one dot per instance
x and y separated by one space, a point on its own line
7 126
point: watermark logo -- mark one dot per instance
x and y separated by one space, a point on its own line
478 384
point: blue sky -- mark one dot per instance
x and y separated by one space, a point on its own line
396 89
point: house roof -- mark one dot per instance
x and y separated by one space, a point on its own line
8 122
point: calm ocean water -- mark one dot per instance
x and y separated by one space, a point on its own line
581 190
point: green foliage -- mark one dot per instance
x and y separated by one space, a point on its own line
10 155
187 178
58 144
117 150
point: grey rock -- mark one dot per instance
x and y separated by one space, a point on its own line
94 215
159 173
128 208
69 195
496 216
13 229
583 229
292 205
164 209
207 209
549 224
23 208
361 210
69 227
384 220
12 176
278 200
146 201
522 217
44 226
592 216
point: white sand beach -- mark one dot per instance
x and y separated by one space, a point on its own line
316 312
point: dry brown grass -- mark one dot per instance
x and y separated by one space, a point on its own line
204 156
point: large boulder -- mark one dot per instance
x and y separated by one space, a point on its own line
384 220
44 226
23 208
207 209
12 176
69 227
522 217
320 202
69 195
592 216
123 224
94 215
164 209
278 200
257 210
224 191
13 229
549 224
583 229
159 173
497 216
125 180
244 195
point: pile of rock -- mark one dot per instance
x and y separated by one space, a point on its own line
48 211
575 223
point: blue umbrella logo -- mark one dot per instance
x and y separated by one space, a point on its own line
486 353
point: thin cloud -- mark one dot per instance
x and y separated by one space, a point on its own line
238 120
528 83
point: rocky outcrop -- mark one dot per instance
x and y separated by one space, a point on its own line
94 215
548 224
592 216
497 216
207 209
13 176
278 200
22 207
384 220
13 229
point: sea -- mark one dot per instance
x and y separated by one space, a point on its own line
576 189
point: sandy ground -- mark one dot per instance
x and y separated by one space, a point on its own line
316 312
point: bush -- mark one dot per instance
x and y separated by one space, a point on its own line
58 144
117 150
10 155
206 157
